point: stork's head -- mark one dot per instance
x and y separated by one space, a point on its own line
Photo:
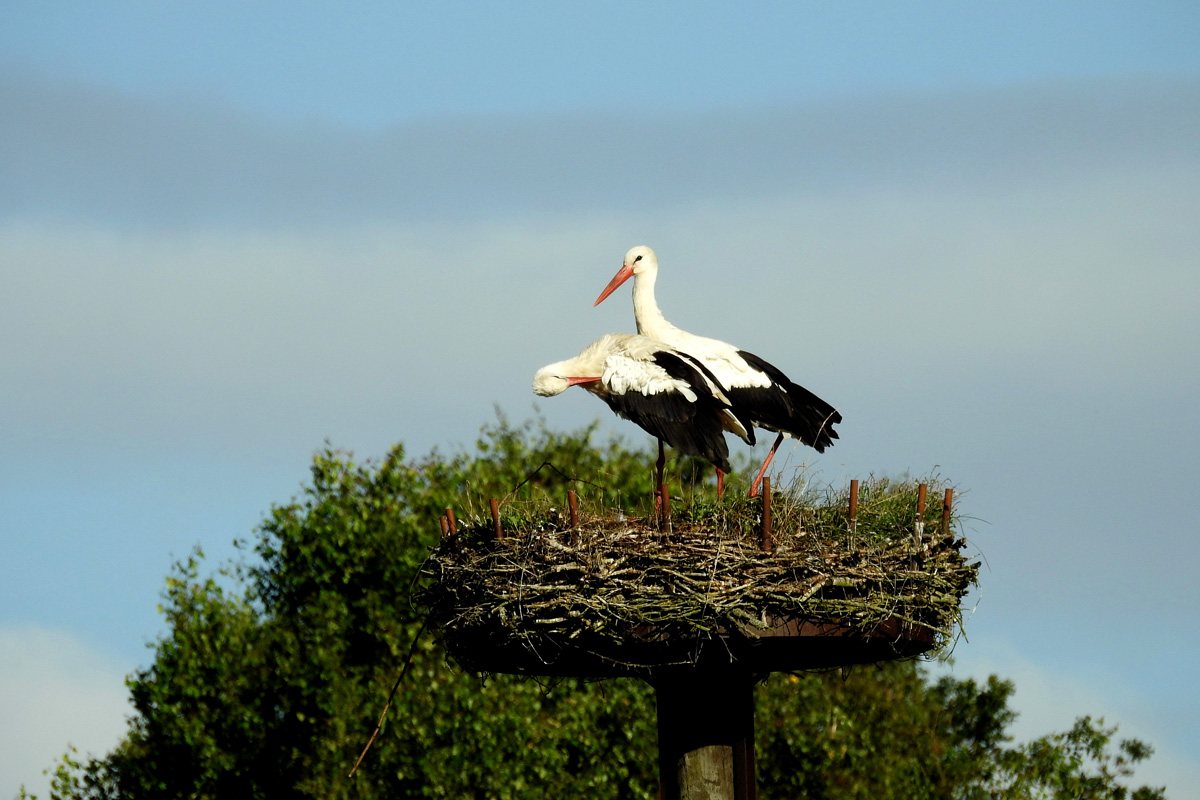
548 381
638 261
555 379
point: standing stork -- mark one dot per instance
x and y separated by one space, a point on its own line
759 391
667 393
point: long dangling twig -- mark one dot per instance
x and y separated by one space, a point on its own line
391 694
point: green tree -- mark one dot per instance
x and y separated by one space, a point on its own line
274 669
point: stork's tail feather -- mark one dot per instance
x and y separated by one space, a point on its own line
786 407
812 419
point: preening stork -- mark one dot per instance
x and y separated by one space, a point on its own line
759 392
670 395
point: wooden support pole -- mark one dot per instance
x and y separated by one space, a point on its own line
496 518
706 735
949 499
767 544
853 504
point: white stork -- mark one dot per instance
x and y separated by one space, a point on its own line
668 394
759 392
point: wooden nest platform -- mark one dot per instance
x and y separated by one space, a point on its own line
790 584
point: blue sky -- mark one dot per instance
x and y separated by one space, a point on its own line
375 64
231 232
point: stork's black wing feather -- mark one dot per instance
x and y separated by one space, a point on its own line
786 407
684 367
691 427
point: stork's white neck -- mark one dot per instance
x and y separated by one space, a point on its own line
650 320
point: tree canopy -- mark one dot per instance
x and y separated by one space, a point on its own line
275 667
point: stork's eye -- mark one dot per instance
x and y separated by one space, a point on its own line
639 258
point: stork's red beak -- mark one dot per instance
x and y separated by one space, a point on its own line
624 274
578 380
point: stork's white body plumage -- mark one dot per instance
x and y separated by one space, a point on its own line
760 393
668 394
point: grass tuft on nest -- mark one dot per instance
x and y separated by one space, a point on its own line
617 579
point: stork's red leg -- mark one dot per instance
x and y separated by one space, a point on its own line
720 483
758 478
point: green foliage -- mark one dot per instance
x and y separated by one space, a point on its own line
886 732
1075 765
274 670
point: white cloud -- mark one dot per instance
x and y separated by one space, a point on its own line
54 692
270 335
119 338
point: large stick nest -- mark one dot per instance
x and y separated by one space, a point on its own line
614 581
